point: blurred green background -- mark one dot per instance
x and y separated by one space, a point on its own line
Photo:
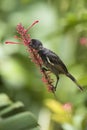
62 28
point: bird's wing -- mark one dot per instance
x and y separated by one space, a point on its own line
54 60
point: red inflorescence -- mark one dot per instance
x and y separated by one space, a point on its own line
25 39
67 107
83 41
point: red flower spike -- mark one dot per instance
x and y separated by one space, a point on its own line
68 107
83 41
25 39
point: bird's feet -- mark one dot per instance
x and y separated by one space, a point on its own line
44 69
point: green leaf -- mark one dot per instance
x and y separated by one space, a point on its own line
20 121
14 108
4 100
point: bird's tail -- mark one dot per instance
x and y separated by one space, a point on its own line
74 80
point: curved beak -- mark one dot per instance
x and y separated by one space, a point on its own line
30 44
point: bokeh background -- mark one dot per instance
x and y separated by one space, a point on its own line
62 28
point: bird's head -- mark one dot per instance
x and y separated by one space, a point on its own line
35 44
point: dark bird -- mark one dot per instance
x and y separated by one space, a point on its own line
52 62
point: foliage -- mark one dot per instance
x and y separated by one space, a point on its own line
13 116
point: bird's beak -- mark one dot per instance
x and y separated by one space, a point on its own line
30 44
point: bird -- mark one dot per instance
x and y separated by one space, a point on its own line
52 62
